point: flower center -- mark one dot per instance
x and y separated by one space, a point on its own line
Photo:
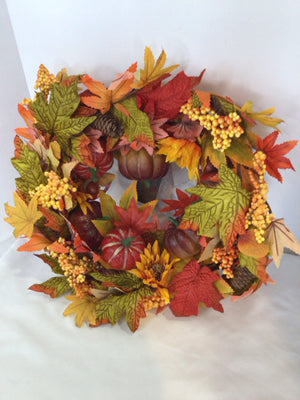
158 270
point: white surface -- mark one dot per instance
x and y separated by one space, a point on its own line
250 352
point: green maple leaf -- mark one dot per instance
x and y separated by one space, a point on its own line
113 307
52 262
122 279
28 165
55 117
55 286
222 206
137 124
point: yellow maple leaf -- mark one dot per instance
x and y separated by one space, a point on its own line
183 152
152 70
262 116
23 216
84 308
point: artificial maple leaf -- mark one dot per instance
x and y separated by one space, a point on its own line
54 287
278 237
203 96
275 153
182 151
54 220
84 308
193 285
186 129
262 116
31 132
28 164
129 194
224 204
23 216
134 218
123 280
130 304
52 262
104 97
179 205
137 124
152 70
165 101
37 242
56 117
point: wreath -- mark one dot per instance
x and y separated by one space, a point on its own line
121 260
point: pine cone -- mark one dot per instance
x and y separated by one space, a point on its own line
243 280
109 125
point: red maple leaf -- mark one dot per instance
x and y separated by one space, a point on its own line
165 101
275 153
193 285
135 218
179 205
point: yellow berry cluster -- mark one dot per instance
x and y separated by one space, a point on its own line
226 259
44 80
223 128
259 214
75 268
57 193
154 302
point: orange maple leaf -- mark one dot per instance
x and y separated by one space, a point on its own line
275 153
37 242
102 98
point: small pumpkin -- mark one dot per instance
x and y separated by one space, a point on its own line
103 162
181 243
122 248
141 165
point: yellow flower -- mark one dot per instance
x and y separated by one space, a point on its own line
183 152
154 269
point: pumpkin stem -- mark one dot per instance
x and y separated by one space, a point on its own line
126 241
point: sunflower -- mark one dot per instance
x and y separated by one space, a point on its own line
154 269
182 151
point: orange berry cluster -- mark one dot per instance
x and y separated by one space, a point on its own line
44 80
259 214
74 268
154 302
56 194
226 259
222 128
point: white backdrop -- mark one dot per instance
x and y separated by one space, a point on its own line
251 52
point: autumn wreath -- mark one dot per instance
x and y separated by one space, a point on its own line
121 259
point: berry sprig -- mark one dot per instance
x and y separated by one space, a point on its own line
222 127
75 268
226 259
44 80
56 194
259 214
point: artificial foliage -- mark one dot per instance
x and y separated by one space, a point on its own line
121 258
